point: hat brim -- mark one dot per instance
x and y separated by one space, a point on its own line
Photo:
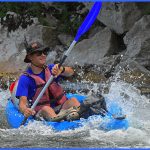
26 60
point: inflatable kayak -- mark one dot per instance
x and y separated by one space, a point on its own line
107 122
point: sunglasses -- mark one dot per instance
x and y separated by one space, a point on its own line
39 53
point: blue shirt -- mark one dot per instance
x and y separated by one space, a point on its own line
27 86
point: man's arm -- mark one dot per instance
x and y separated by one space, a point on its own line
64 71
67 71
23 107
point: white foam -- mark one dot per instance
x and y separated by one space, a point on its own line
127 96
4 95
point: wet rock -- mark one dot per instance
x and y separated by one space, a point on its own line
12 50
47 4
65 39
109 65
138 41
59 50
92 32
51 57
12 47
51 20
137 75
49 36
91 51
13 21
119 17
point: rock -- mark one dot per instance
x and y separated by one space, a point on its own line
49 36
134 65
51 57
88 5
36 21
109 64
137 75
92 32
34 33
138 41
47 4
91 51
13 21
52 21
65 39
81 10
119 17
59 48
15 63
12 47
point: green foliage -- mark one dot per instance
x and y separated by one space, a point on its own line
30 9
43 21
70 20
33 9
2 14
66 13
15 7
144 7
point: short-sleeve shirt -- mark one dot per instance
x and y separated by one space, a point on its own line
27 86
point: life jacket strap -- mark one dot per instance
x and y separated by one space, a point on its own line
43 103
56 99
40 85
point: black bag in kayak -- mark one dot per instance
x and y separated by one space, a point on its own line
93 105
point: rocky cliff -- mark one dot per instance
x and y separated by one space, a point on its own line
119 40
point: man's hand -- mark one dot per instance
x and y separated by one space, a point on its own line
28 112
56 71
24 107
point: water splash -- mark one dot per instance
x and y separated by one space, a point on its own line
4 95
135 105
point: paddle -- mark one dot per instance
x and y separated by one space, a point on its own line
89 20
104 112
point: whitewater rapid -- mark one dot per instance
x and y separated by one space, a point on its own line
134 105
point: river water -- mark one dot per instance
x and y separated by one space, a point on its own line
36 134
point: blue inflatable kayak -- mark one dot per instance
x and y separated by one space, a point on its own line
108 122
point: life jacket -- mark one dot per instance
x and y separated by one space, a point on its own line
53 94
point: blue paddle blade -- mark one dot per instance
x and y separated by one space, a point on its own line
90 18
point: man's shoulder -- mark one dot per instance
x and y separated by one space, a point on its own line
24 77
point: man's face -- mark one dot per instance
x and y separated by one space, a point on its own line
39 57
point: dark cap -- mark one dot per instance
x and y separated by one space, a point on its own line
33 47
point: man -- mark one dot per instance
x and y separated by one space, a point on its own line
33 80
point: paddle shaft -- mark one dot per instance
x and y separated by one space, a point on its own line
114 116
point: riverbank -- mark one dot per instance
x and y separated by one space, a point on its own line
135 78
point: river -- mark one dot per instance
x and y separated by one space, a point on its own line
135 105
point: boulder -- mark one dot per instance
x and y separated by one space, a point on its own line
95 30
12 44
49 36
138 76
119 17
65 39
137 41
91 51
51 21
51 57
